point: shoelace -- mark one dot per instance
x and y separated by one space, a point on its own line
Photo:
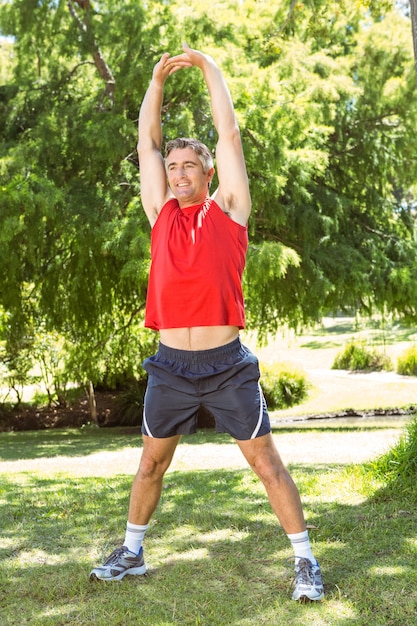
304 571
115 555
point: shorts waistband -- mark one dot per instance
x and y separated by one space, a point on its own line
199 356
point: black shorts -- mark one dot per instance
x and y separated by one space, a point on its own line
224 380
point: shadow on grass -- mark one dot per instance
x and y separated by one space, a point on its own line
214 549
66 442
337 329
16 446
321 345
379 332
82 442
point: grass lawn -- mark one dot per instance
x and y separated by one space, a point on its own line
215 553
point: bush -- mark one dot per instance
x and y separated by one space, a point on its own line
130 404
407 362
283 387
357 356
398 466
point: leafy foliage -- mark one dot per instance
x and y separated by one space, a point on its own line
407 362
358 356
283 386
398 466
325 94
130 403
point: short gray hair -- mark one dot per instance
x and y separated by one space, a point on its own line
199 148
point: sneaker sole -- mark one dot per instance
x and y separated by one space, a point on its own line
133 571
304 599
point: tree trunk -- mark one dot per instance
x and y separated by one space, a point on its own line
92 402
86 29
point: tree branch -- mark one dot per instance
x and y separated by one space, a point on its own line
288 18
99 61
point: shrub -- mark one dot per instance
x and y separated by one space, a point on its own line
130 404
357 356
282 386
407 362
398 466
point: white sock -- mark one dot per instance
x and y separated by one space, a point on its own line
301 546
134 537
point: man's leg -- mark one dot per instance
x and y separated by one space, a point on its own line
145 493
264 459
147 485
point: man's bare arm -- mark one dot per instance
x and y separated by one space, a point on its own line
233 194
153 182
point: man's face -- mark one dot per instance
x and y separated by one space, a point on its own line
185 175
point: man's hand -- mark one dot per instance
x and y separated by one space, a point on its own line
167 65
188 58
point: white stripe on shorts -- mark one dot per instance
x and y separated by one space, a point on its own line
145 423
261 412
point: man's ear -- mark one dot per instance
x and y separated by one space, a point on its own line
210 174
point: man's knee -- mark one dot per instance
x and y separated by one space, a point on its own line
156 458
269 467
149 467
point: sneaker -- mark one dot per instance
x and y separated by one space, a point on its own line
118 564
308 582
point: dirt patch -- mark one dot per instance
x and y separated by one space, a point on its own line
74 416
110 413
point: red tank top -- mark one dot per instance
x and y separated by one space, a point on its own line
198 256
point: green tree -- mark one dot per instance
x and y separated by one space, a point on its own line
338 135
73 231
325 95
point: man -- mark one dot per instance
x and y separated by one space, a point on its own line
195 301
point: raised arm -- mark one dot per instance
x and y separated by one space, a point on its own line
153 182
233 194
